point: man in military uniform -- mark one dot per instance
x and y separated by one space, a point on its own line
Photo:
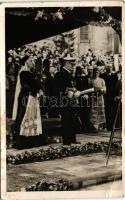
64 84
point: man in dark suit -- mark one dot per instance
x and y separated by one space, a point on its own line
64 83
83 83
110 79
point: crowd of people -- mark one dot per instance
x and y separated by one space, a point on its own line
83 91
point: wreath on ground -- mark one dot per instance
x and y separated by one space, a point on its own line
53 185
62 151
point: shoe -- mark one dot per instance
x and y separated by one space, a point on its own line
109 129
94 131
76 142
66 144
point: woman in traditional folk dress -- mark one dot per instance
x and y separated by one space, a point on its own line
26 109
98 110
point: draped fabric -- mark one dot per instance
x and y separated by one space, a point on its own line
98 112
26 109
17 92
31 124
97 105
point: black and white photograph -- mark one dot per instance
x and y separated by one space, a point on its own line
63 99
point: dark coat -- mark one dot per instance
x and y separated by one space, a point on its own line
49 85
62 81
110 81
109 98
118 88
28 85
81 82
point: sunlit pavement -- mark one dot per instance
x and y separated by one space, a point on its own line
82 170
113 189
82 138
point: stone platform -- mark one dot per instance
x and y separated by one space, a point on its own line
81 170
83 138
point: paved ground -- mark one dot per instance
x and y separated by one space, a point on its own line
83 138
81 170
108 190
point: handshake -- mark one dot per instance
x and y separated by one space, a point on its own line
76 94
100 90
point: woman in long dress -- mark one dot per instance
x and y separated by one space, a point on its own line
98 110
26 109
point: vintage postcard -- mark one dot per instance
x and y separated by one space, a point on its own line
62 100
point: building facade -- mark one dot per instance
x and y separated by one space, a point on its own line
101 39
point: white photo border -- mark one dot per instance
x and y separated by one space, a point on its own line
52 195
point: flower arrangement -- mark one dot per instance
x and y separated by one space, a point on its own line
61 152
54 185
105 19
98 15
53 15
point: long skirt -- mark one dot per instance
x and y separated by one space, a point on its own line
97 116
28 125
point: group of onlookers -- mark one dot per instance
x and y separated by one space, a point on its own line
53 75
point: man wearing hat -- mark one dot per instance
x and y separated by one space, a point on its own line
64 83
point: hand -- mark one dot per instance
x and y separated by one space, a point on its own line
117 98
85 97
40 93
100 90
77 94
70 94
68 89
